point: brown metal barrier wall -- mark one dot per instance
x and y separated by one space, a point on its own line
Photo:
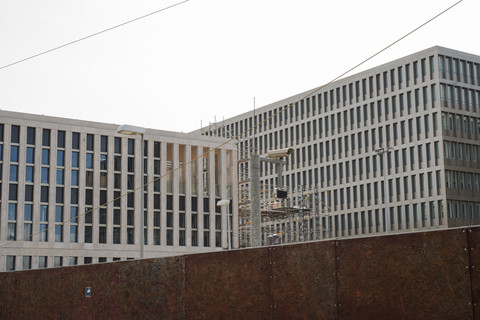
428 275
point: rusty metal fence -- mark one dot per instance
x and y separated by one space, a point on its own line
428 275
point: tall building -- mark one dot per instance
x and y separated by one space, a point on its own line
420 112
71 192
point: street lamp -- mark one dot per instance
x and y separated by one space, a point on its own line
135 131
381 152
226 203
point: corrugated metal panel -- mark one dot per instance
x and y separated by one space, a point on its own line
409 276
152 289
474 253
304 281
36 294
229 285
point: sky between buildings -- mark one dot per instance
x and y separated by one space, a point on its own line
203 60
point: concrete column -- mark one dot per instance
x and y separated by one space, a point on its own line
255 196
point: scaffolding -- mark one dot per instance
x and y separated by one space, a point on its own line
299 217
303 218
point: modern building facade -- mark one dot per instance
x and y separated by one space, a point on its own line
420 112
71 192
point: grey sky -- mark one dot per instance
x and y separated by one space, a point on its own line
204 59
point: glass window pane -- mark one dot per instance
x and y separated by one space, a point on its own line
27 232
29 174
58 214
14 153
58 233
60 158
73 233
15 134
30 155
43 213
12 211
45 156
74 181
73 214
103 162
89 161
13 172
43 236
12 231
27 212
61 139
30 135
59 176
46 138
44 175
13 191
75 140
75 157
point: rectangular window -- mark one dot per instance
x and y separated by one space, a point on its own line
46 137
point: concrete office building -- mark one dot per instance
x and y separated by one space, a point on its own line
71 192
422 112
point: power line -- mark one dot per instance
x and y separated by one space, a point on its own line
92 35
241 133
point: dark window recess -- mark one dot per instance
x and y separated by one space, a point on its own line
88 235
30 135
156 201
12 193
130 200
44 194
118 145
61 139
206 205
59 195
29 193
75 140
103 197
169 202
181 203
74 196
46 138
130 217
131 146
217 208
15 138
88 197
116 196
88 215
156 149
90 142
194 204
103 143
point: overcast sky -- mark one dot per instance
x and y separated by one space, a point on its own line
204 59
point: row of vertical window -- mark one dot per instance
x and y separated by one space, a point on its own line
355 92
405 158
89 216
461 180
461 151
461 124
332 124
42 261
458 69
459 97
403 217
370 193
